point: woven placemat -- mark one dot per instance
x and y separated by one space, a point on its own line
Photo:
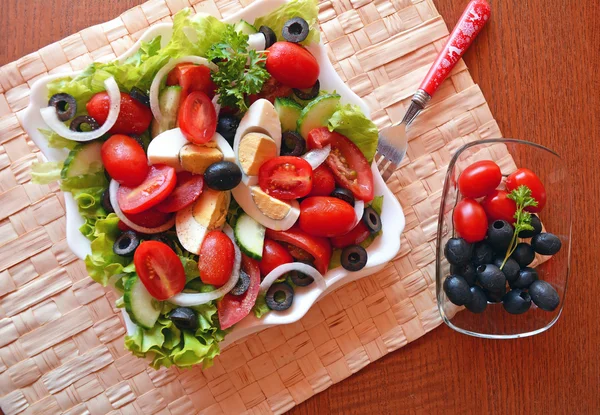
61 338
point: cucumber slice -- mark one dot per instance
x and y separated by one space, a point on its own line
249 236
143 309
317 113
244 27
289 112
168 103
83 159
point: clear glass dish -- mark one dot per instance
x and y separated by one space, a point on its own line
509 154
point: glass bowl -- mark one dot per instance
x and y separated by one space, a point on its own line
509 154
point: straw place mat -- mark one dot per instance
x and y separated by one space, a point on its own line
61 338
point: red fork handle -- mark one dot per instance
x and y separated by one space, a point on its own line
468 27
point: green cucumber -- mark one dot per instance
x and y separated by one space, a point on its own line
83 159
289 112
249 236
168 102
317 113
244 27
143 309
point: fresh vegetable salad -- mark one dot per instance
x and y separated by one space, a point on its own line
215 177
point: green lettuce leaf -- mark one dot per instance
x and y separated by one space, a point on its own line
306 9
207 30
260 307
46 173
56 141
350 121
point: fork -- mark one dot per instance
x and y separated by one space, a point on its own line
393 141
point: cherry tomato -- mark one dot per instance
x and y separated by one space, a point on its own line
271 89
216 258
318 248
151 218
285 177
197 118
479 179
525 177
348 164
273 255
192 78
498 206
124 160
134 117
470 221
292 65
158 184
354 237
160 269
326 216
323 182
188 190
233 308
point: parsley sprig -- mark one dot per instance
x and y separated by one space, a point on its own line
523 199
241 71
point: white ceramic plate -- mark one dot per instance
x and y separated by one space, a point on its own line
380 252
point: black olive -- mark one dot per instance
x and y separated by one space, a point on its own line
466 271
270 36
495 296
516 301
242 284
354 257
65 106
482 253
478 302
84 120
343 194
544 295
184 318
106 202
279 296
139 96
126 244
292 144
546 244
222 175
300 279
162 238
491 278
523 254
295 30
372 219
537 228
526 277
457 290
500 234
310 93
458 251
510 269
227 126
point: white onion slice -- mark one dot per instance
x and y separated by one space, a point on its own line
156 82
317 156
216 104
292 266
50 118
359 210
112 189
192 299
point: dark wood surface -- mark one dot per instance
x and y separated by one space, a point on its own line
537 62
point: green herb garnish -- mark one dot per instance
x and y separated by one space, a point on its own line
523 199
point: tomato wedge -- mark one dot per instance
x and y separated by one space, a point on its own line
233 308
348 164
286 177
188 190
159 184
217 256
354 237
318 247
273 255
160 269
192 78
197 118
150 218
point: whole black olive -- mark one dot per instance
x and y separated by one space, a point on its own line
526 277
457 290
478 302
458 251
279 296
466 271
546 244
64 104
372 220
354 257
482 253
544 295
227 127
495 296
222 175
537 228
126 244
184 318
510 269
500 234
343 194
523 254
295 30
516 301
491 278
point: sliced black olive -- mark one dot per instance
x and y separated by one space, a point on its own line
295 30
184 318
270 36
292 144
372 219
65 106
139 96
306 94
222 175
546 244
227 126
84 120
106 202
343 194
300 279
516 301
354 258
126 244
242 285
279 296
161 238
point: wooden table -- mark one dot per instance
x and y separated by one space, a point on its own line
537 63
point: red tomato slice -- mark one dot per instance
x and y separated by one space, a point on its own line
271 90
188 190
479 179
197 118
525 177
273 255
134 117
498 206
160 269
233 308
192 78
319 248
470 220
159 184
326 216
354 237
292 65
150 218
348 164
285 177
323 181
217 256
124 160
